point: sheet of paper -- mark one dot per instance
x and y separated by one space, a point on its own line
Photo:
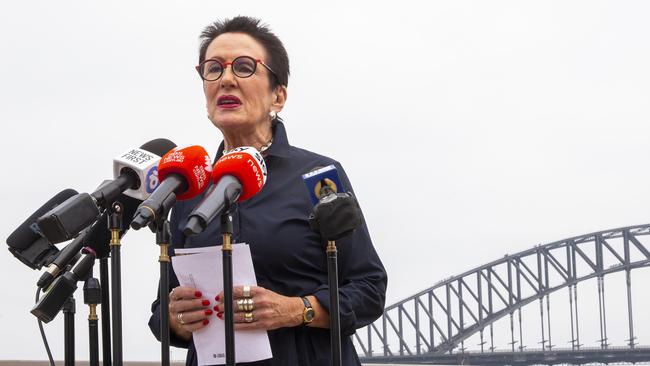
201 268
185 251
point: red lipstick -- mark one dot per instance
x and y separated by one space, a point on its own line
228 101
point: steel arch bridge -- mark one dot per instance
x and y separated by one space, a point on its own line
431 327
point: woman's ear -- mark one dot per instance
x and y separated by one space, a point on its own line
279 99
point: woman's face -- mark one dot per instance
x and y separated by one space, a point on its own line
234 103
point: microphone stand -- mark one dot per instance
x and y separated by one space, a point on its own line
106 312
226 251
335 320
60 297
163 238
92 296
68 330
156 220
335 216
114 226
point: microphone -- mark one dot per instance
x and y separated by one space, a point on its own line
135 174
335 214
64 286
68 255
144 163
26 243
96 237
184 174
99 237
237 176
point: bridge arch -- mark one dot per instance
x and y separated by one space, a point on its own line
440 318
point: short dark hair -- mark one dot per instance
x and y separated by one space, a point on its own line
278 60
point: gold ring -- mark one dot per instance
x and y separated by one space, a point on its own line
246 291
179 317
249 304
240 305
248 317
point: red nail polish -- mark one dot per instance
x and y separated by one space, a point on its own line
206 302
216 308
217 298
205 321
220 314
198 294
208 312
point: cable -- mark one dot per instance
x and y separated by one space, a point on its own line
40 326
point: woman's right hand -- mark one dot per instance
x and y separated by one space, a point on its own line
188 311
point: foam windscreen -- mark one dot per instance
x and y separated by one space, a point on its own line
193 164
247 165
159 147
26 233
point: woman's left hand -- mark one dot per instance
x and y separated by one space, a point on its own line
270 310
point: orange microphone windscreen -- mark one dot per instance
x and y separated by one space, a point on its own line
247 165
193 164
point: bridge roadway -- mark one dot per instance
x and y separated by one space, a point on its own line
536 356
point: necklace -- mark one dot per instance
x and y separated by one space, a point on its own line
262 148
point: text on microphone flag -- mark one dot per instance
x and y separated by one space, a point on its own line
245 163
189 162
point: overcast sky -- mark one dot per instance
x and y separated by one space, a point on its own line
469 129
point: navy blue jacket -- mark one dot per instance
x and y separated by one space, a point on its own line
290 258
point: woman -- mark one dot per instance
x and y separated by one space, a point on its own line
245 72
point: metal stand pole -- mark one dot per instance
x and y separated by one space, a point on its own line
68 330
335 322
163 238
106 312
92 297
226 250
114 226
335 216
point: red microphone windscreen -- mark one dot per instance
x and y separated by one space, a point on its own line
193 164
247 165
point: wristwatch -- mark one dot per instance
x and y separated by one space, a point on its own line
308 312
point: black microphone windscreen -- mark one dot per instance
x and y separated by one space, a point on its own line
99 238
27 232
159 147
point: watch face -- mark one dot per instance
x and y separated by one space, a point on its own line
309 314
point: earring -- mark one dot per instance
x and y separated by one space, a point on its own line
273 114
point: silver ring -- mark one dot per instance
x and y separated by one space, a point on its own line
246 291
240 305
248 317
179 317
